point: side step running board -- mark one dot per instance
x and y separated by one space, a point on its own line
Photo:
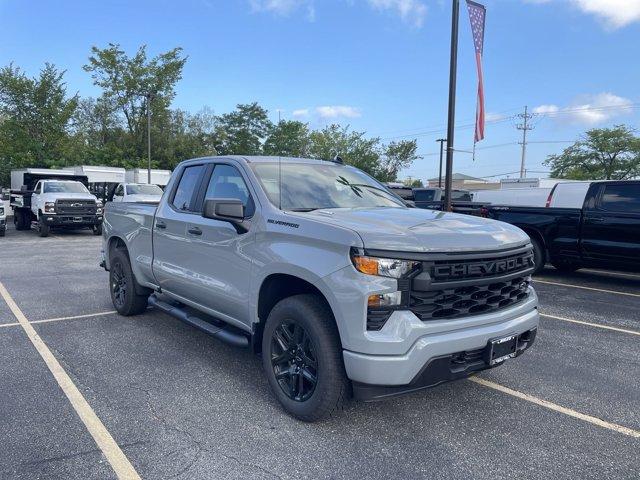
226 335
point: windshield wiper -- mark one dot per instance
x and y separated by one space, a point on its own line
302 209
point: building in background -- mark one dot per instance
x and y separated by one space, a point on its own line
466 182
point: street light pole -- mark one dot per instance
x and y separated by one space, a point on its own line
453 66
441 140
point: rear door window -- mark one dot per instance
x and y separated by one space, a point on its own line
623 198
184 197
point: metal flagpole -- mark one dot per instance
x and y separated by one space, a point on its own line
453 66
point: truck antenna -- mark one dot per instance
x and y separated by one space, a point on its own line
279 170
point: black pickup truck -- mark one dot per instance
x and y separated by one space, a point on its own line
603 233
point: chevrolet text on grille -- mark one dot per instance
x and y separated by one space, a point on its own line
483 268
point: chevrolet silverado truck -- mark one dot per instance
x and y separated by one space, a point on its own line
585 224
342 289
48 199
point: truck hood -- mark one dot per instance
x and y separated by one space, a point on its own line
418 230
52 197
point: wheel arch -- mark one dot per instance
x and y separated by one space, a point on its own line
276 287
535 234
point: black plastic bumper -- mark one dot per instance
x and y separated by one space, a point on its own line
71 221
440 370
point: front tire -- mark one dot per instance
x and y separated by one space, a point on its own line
122 286
97 229
43 228
302 358
539 255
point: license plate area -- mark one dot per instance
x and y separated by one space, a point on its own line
501 349
77 219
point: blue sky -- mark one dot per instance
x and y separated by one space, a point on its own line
378 65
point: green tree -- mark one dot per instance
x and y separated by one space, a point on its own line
288 138
603 153
243 131
128 83
35 118
414 183
397 155
353 147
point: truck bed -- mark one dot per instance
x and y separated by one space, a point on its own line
135 222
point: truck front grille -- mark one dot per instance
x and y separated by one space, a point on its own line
449 286
466 301
76 207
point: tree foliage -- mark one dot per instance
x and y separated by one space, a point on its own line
41 125
35 118
602 154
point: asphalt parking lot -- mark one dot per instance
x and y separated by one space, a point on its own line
180 404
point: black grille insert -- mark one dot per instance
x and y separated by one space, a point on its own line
469 300
76 207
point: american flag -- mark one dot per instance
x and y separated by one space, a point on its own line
477 15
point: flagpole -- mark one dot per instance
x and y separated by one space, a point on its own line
453 67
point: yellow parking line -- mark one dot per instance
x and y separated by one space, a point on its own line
590 324
587 288
606 272
557 408
114 455
75 317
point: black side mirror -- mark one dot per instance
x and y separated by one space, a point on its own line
227 210
230 209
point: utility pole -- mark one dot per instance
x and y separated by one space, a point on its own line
524 126
441 140
453 71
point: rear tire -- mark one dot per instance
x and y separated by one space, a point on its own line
566 267
539 255
123 286
2 232
302 358
21 220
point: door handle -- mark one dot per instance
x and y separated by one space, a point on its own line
195 231
160 224
596 219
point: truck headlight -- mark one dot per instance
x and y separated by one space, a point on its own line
99 207
383 267
1 211
49 207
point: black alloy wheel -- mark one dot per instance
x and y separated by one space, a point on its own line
294 361
119 285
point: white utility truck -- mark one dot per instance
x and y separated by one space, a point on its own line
48 198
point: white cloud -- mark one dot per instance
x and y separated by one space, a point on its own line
493 117
301 112
546 109
284 7
331 112
412 12
588 110
614 13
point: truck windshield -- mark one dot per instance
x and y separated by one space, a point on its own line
143 190
311 186
64 187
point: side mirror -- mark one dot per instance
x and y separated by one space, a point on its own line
226 209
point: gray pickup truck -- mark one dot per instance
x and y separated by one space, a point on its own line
342 289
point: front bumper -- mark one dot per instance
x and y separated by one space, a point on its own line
71 221
434 358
